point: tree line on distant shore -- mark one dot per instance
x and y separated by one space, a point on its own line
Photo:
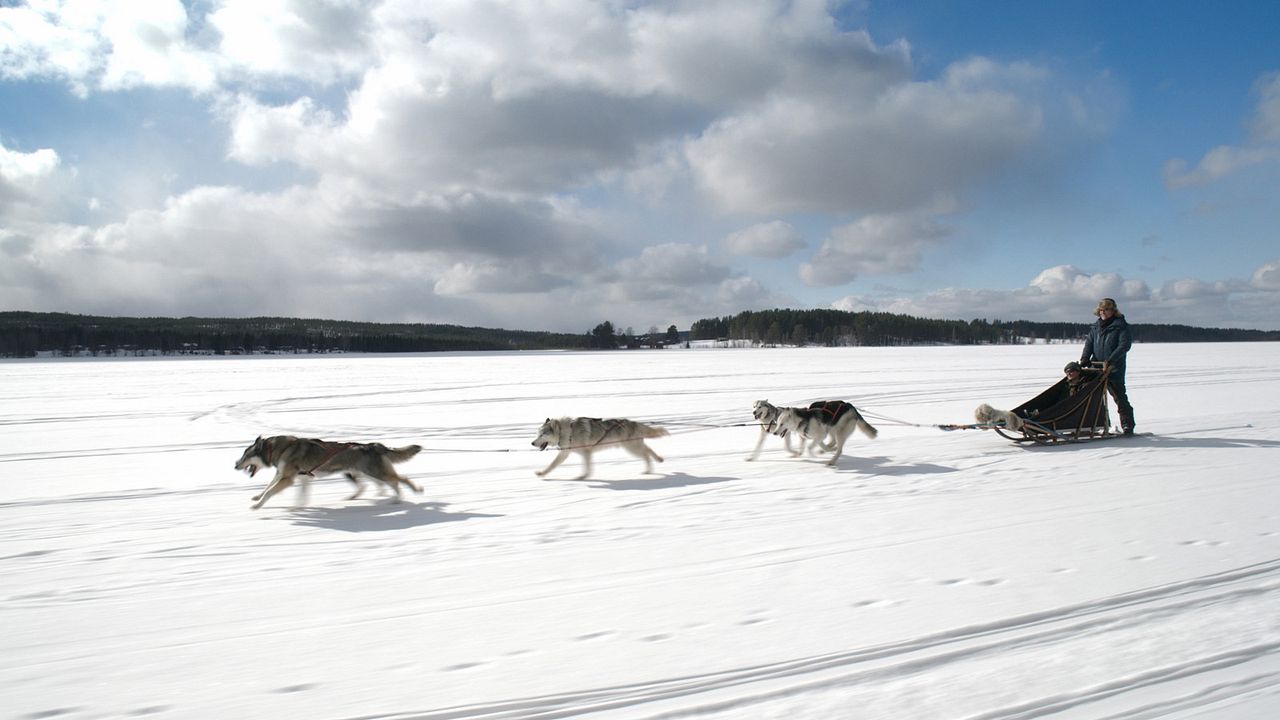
834 328
28 334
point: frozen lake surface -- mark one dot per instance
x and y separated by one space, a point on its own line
930 574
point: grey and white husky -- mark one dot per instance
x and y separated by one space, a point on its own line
585 436
834 419
299 459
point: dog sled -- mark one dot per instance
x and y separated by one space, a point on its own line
1061 415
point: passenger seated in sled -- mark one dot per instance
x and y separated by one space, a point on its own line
1075 379
1074 408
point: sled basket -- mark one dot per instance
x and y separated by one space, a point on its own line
1057 416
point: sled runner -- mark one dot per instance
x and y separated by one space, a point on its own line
1058 415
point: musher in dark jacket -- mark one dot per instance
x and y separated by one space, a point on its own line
1109 342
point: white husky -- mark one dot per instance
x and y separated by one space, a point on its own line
836 419
987 415
585 435
766 414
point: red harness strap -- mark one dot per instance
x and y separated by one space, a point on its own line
834 408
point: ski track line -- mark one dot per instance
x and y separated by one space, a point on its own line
1059 703
1203 698
895 660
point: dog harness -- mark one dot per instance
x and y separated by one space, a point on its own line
835 409
331 449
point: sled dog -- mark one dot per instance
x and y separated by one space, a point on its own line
988 415
767 414
836 419
585 436
299 459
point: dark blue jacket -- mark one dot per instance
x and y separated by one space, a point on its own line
1108 342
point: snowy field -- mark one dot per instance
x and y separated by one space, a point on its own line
931 574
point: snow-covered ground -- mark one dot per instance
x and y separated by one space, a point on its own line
931 574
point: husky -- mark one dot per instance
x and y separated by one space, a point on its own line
836 419
767 414
585 435
297 458
987 415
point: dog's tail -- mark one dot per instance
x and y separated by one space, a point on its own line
651 431
400 454
867 428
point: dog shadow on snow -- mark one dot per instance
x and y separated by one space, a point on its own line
650 482
379 517
877 465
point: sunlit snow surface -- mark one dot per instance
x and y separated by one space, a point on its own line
931 574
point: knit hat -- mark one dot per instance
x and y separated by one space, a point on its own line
1106 304
1071 366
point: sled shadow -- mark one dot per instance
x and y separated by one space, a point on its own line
1170 441
880 465
379 517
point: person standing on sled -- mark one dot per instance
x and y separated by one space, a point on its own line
1109 342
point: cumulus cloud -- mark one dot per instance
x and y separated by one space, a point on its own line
776 239
104 45
1265 125
317 40
1267 276
462 161
1225 160
1065 293
873 245
887 145
24 180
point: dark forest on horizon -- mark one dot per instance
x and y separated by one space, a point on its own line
28 334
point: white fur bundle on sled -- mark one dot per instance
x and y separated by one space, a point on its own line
986 415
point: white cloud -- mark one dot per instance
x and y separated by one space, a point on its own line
884 146
776 239
1065 293
1225 160
1267 276
873 245
492 277
1265 125
315 40
19 167
1215 165
104 44
1068 283
24 180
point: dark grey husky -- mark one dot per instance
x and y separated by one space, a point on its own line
299 459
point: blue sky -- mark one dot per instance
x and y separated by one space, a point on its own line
551 165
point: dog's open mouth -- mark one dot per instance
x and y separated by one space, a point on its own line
541 445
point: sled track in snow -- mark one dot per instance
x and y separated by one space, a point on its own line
1252 587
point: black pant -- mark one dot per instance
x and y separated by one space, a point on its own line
1115 384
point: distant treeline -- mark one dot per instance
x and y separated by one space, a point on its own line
26 334
839 328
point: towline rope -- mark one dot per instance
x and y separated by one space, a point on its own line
942 426
699 427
